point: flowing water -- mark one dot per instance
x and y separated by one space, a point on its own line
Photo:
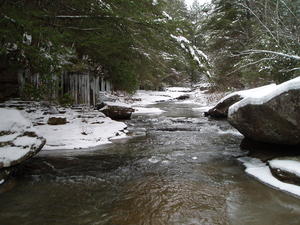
184 171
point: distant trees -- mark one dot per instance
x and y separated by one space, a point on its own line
253 42
128 41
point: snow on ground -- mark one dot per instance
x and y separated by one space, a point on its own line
286 165
14 144
152 97
262 172
178 89
84 129
12 120
118 103
263 94
142 110
171 93
202 109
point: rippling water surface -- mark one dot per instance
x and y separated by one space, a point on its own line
184 171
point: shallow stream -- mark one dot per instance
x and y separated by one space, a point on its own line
184 171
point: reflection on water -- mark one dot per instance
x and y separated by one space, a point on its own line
184 171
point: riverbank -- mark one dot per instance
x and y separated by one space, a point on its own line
82 127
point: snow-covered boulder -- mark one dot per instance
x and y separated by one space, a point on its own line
18 141
272 118
221 108
117 111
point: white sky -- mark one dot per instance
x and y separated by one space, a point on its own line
190 2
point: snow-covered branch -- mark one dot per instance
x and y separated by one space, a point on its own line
290 70
250 64
255 51
260 21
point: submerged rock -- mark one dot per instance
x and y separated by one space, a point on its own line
272 118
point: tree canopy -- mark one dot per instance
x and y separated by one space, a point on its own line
130 42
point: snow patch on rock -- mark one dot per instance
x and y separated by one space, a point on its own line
262 172
290 166
264 94
13 121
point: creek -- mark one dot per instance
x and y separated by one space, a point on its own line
183 171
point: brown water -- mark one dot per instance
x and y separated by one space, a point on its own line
184 171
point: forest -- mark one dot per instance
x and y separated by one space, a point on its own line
150 44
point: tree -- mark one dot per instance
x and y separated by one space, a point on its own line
253 42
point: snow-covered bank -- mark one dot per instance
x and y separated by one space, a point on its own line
18 139
84 127
142 100
262 172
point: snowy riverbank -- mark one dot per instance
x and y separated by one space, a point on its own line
85 127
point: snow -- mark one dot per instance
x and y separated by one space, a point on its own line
117 103
201 2
165 14
264 94
9 154
9 137
14 144
142 110
201 53
202 109
254 93
152 97
192 50
27 39
84 132
26 141
154 2
290 166
180 39
262 172
13 121
85 127
178 89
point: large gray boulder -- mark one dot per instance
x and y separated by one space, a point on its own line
220 110
273 118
